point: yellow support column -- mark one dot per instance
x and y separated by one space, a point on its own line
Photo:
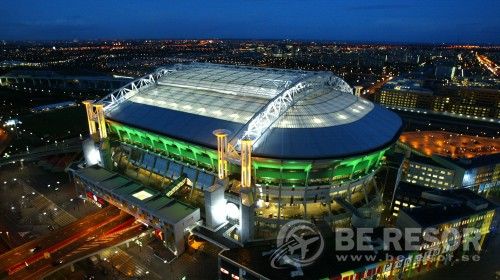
90 116
221 135
101 121
246 163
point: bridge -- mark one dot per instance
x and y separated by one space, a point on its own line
52 80
68 146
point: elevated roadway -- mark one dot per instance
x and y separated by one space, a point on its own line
70 146
106 228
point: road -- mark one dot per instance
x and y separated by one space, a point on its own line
33 191
488 64
21 253
84 237
375 87
113 234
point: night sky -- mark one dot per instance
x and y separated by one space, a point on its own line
410 21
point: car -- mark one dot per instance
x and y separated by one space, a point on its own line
57 262
35 249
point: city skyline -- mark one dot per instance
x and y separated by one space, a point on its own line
384 21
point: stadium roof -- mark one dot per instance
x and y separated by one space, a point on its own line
324 120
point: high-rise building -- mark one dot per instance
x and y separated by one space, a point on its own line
477 103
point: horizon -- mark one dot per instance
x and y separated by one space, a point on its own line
281 40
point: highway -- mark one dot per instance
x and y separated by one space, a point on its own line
105 228
21 253
82 248
375 87
488 64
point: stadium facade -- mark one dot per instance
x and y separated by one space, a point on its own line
236 145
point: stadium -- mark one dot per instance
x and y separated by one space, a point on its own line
244 148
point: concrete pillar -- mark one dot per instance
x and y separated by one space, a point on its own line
247 213
215 204
304 203
365 194
349 193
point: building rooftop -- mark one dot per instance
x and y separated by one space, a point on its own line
146 198
450 145
426 216
411 190
324 121
451 204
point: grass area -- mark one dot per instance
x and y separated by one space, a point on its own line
57 123
53 125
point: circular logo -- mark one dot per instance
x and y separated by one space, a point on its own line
299 243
